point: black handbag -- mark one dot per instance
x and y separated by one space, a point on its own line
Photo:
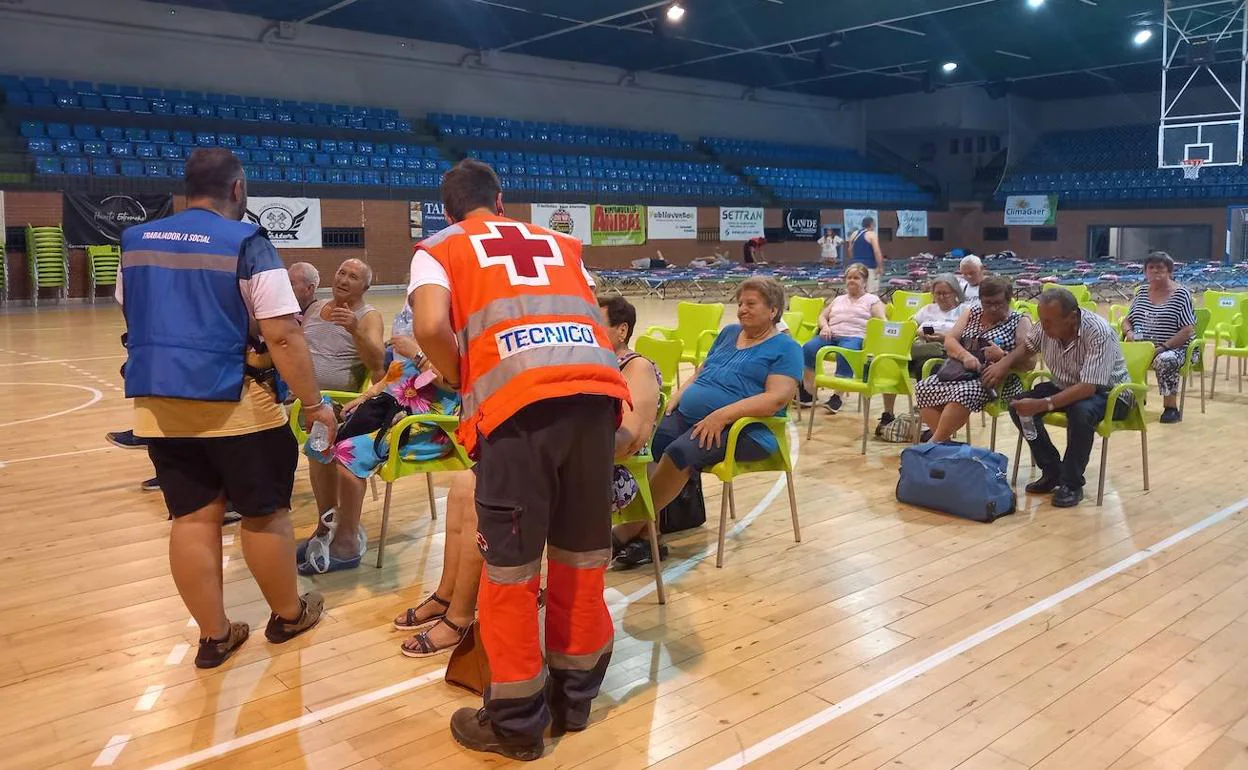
953 370
687 511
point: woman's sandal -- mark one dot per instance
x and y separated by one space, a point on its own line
408 621
421 646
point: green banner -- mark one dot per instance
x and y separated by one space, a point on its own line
618 226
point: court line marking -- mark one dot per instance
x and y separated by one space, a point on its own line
365 699
95 397
62 360
177 654
149 697
111 751
58 454
862 697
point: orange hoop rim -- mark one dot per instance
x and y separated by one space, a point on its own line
1193 161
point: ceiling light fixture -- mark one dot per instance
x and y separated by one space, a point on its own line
675 12
1143 36
1034 3
949 66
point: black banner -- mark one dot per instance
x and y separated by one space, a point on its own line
97 220
802 225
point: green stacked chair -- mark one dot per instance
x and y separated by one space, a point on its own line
4 276
49 260
103 263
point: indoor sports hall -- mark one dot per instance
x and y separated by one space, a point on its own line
969 225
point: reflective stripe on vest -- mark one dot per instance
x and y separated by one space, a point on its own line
588 353
509 308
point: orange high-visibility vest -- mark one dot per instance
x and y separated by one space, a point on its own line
528 324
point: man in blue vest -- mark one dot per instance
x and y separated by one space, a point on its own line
209 313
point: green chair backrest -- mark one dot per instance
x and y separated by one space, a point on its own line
1139 357
1203 318
809 307
793 320
666 356
1081 291
104 262
906 303
892 337
693 318
1223 306
1239 326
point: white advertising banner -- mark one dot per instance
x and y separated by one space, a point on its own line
672 223
854 217
292 223
568 218
911 224
1035 210
740 224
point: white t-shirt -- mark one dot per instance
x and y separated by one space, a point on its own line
941 321
970 292
828 246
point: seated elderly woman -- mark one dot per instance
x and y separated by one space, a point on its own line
1162 313
752 370
934 320
988 340
843 323
409 386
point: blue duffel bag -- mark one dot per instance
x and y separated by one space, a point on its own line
957 479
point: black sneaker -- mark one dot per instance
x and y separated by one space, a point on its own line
885 419
280 630
214 652
1171 415
473 730
151 485
834 404
636 552
1043 485
1067 497
125 439
803 396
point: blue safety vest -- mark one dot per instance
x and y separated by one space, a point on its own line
187 324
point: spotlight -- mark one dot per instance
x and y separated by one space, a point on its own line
949 66
675 12
1034 3
1142 37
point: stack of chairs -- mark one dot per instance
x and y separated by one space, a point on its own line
48 256
103 264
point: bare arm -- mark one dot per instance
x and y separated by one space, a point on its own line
638 420
1180 338
431 325
369 344
1018 358
778 391
878 310
953 340
289 350
874 239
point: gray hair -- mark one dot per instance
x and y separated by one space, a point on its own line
1060 296
306 271
951 280
971 259
365 268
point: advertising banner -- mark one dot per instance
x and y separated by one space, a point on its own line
740 224
292 223
425 218
911 224
672 223
1036 210
619 225
854 217
97 220
568 218
802 224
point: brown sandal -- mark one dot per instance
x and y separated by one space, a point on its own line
408 622
421 646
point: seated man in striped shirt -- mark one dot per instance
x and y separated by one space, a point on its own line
1085 358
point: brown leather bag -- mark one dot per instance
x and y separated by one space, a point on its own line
468 667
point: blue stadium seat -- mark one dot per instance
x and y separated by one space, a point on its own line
32 128
48 165
40 145
77 166
103 167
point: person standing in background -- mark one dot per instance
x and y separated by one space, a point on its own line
830 247
864 249
753 252
209 313
505 310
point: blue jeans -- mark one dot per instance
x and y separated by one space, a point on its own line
812 348
673 440
1082 417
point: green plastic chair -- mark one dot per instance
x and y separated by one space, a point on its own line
48 259
731 468
1081 291
905 304
1223 307
1090 306
4 276
1028 307
642 508
1139 356
1231 340
793 320
1194 359
810 308
693 321
103 264
1117 313
887 345
665 354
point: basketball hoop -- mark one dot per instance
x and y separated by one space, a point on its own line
1191 167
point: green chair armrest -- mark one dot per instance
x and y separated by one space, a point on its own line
447 423
1134 388
296 409
777 425
705 340
1030 378
857 358
931 365
662 332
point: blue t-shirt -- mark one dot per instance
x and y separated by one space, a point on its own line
730 375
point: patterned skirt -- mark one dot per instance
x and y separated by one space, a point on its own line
933 393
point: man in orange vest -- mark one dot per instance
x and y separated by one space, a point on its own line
506 308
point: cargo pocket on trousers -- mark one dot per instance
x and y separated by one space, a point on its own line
499 531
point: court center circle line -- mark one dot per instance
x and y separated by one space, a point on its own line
95 397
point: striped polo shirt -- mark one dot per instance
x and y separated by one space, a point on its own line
1093 357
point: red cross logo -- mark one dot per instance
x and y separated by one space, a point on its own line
524 253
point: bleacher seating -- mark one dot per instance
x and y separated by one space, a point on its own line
527 132
107 97
806 184
841 158
87 149
622 176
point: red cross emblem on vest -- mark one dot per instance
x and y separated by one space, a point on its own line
524 253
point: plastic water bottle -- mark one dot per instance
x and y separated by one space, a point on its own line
1028 426
318 439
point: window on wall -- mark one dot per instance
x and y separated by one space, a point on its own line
886 233
953 146
342 237
936 234
1044 233
996 233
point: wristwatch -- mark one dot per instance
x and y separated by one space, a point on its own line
1048 402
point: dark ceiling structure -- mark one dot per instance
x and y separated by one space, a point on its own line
845 49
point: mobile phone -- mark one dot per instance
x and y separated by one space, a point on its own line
929 330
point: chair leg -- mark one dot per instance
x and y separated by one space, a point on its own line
810 426
732 503
723 524
992 441
433 503
653 527
1100 484
372 481
866 421
1144 456
1213 382
385 523
1018 456
797 529
1202 390
1183 395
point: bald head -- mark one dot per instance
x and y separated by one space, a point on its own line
352 279
304 279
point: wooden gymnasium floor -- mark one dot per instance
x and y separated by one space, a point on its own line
888 637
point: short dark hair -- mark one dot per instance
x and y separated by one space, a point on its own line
996 286
771 290
1160 258
1060 296
620 311
211 172
470 185
868 221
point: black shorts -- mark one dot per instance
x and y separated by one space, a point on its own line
255 472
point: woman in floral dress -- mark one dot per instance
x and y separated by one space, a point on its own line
340 541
